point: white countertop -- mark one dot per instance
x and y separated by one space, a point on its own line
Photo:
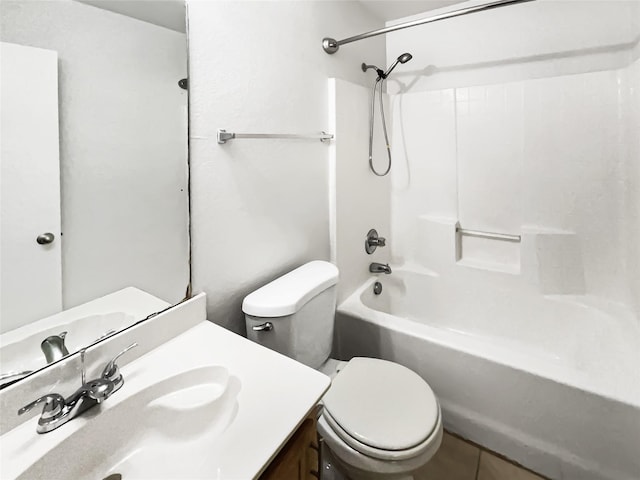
275 396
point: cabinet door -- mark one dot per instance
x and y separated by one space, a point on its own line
298 459
31 278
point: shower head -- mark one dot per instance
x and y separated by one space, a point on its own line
404 58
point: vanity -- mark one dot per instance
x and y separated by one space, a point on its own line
205 404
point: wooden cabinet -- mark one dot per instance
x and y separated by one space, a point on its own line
299 458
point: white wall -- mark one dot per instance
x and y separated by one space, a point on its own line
360 199
261 207
544 38
631 142
122 146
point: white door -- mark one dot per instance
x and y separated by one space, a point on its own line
31 276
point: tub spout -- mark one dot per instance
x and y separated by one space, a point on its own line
379 268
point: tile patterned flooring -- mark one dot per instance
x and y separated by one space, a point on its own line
461 460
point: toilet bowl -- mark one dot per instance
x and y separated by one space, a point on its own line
380 419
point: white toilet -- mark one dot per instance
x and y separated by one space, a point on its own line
380 419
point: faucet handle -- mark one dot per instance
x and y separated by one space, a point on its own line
373 241
111 370
53 405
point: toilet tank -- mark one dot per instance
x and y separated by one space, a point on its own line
300 307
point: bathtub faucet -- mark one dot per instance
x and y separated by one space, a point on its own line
379 268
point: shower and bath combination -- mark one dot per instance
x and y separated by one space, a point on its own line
382 76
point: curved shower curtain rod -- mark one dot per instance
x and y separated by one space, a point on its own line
331 45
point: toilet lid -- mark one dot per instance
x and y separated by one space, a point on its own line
382 404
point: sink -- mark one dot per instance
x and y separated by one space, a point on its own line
206 404
151 434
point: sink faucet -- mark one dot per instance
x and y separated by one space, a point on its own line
379 268
54 348
57 410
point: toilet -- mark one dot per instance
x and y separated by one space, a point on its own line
380 419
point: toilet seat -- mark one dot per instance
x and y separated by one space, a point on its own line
382 409
393 455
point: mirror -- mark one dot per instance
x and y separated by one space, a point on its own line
94 180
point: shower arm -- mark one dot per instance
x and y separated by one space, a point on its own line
331 45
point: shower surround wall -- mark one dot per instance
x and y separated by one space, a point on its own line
537 137
534 131
550 159
260 208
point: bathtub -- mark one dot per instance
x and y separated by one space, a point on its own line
552 382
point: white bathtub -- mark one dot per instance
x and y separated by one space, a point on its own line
552 382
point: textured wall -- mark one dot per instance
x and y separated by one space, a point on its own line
261 207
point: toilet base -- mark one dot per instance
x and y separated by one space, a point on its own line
332 468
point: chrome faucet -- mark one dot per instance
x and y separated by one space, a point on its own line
57 410
54 348
373 241
379 268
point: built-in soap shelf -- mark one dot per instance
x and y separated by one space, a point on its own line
550 259
498 252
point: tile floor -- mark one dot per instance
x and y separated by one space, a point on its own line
461 460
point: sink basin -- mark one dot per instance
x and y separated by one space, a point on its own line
150 434
206 404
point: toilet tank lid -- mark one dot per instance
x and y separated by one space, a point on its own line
288 294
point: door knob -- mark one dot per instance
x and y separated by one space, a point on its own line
45 238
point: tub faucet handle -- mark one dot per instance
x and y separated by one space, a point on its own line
373 241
